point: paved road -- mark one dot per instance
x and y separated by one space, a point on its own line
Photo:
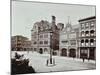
38 61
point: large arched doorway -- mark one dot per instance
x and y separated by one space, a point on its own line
45 50
41 51
64 52
72 52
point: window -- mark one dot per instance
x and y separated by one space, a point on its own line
35 42
41 36
41 42
92 32
19 44
82 33
39 28
72 35
92 24
64 41
87 25
87 33
45 49
82 26
87 42
92 41
46 36
45 42
82 42
73 42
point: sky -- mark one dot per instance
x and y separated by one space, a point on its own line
25 14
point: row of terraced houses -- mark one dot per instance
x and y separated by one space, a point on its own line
78 41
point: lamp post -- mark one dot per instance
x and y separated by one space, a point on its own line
51 47
51 61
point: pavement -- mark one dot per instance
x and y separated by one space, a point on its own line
39 61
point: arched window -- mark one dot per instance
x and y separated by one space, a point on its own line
45 49
87 42
82 33
82 42
92 32
87 33
92 41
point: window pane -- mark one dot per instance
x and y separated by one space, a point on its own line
45 42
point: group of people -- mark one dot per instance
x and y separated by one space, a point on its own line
18 56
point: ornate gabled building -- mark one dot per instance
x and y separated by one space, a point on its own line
45 36
87 40
68 41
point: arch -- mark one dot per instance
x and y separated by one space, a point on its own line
41 51
82 33
45 49
92 31
82 41
86 40
64 52
35 49
72 52
87 32
24 49
92 40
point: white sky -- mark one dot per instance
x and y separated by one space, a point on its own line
25 14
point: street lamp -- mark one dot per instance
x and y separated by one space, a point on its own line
51 61
51 47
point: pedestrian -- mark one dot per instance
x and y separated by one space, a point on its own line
54 61
88 59
83 59
47 62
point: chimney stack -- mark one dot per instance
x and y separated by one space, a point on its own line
53 20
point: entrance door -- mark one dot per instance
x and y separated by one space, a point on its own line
41 51
72 52
92 53
64 52
84 53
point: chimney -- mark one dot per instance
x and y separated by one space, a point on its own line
53 20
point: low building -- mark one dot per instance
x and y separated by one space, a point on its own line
20 43
87 40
